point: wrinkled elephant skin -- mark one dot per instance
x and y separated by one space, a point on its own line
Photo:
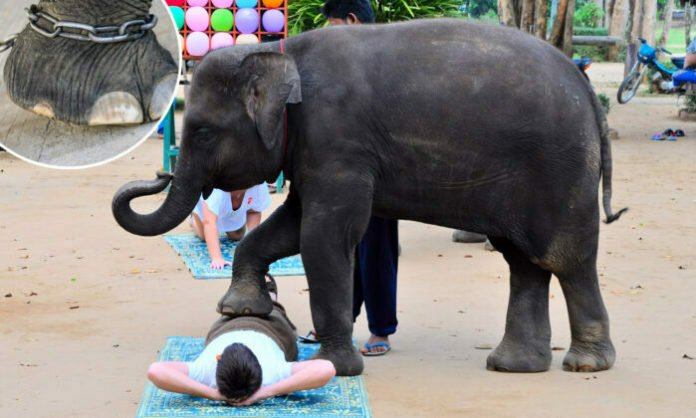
417 121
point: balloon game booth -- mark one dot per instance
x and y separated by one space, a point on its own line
205 25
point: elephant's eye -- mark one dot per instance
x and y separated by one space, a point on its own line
204 136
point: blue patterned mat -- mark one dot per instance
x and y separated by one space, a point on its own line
343 396
195 255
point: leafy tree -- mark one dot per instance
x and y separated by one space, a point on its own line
304 15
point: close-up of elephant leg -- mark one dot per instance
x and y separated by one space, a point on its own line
591 348
526 344
273 239
87 82
328 241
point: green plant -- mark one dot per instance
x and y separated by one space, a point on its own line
589 15
690 102
306 14
597 53
605 102
588 31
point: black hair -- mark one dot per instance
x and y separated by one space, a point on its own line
238 372
340 9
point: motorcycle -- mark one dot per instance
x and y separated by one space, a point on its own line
647 58
583 63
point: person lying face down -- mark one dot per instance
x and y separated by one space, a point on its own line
245 360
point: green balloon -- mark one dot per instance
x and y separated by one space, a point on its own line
222 20
178 14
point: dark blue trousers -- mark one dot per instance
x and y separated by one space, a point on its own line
376 263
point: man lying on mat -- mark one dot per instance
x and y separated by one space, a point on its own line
245 360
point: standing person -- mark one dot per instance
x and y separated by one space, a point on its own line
234 213
377 255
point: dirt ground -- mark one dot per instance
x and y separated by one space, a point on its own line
90 304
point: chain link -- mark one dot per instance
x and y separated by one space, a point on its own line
128 31
8 43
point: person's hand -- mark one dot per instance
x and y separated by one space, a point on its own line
215 395
219 263
259 395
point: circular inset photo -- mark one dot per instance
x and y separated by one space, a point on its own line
84 82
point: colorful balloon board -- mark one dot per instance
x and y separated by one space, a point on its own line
210 24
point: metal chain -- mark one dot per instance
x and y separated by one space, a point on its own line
8 43
128 31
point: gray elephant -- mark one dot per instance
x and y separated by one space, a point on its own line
414 121
88 82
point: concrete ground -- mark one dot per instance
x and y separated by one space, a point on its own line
85 306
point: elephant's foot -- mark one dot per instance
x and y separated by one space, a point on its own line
589 357
245 298
347 361
86 83
519 358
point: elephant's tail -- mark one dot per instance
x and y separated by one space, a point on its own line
606 167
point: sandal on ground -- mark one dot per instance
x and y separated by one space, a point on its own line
668 132
672 137
310 338
370 353
679 132
658 137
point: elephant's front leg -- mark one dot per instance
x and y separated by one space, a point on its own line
330 232
277 237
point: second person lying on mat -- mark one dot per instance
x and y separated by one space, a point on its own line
245 359
233 213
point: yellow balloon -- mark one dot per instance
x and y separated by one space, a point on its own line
246 39
272 3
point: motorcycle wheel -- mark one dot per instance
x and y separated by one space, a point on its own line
629 86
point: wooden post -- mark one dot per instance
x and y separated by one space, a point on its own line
687 27
507 14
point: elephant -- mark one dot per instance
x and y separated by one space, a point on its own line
90 83
446 122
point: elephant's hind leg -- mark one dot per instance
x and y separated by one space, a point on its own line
526 344
591 348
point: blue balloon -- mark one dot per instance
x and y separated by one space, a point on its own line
245 4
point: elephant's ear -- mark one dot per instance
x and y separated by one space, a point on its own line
273 81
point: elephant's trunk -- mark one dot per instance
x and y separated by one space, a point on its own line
181 199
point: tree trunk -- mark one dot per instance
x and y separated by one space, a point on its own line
668 23
649 18
617 26
556 37
527 16
630 41
568 29
542 10
507 13
687 27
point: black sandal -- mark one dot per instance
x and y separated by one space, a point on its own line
679 132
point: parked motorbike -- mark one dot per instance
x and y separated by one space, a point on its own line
647 58
583 63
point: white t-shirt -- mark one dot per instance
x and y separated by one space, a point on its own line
274 368
219 202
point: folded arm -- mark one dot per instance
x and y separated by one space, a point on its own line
310 374
172 376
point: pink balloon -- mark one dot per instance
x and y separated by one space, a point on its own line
197 2
197 19
222 4
197 44
221 40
